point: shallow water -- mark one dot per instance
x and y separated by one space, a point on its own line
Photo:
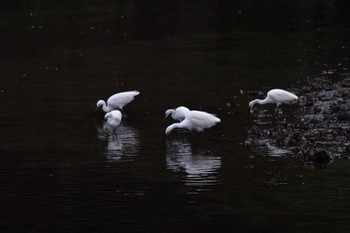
62 172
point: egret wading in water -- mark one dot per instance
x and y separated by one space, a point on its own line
113 119
178 113
275 96
117 101
195 120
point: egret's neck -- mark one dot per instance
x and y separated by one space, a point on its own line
172 126
104 107
265 101
103 104
258 101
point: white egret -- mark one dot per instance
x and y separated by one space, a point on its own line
178 113
113 120
195 120
117 101
275 96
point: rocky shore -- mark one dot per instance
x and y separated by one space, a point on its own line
316 130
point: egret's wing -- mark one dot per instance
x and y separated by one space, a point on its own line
121 99
202 120
282 96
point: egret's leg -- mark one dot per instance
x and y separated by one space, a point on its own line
278 110
115 133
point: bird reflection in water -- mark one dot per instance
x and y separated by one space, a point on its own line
200 166
123 147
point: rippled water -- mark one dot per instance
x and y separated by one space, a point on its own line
122 147
200 167
62 170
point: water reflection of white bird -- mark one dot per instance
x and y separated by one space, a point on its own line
113 119
195 120
122 148
178 113
117 101
200 167
275 96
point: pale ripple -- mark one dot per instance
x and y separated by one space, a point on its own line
124 147
201 167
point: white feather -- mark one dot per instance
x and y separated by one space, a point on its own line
195 120
276 96
178 113
113 119
117 101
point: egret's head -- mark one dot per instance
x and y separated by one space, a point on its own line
99 104
168 112
251 104
108 114
168 130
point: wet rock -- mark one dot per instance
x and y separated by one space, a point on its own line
253 131
343 115
314 155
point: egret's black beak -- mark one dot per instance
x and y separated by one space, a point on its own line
165 118
165 137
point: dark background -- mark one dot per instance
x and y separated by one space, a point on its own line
59 170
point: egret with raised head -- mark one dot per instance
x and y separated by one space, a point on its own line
275 96
113 119
117 101
195 120
178 113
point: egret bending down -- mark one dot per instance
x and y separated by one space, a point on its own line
195 120
177 114
113 120
275 96
117 101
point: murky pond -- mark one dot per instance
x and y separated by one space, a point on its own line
61 171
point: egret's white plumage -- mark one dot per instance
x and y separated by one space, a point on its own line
113 119
195 120
178 113
117 101
276 96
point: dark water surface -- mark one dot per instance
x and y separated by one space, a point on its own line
61 172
